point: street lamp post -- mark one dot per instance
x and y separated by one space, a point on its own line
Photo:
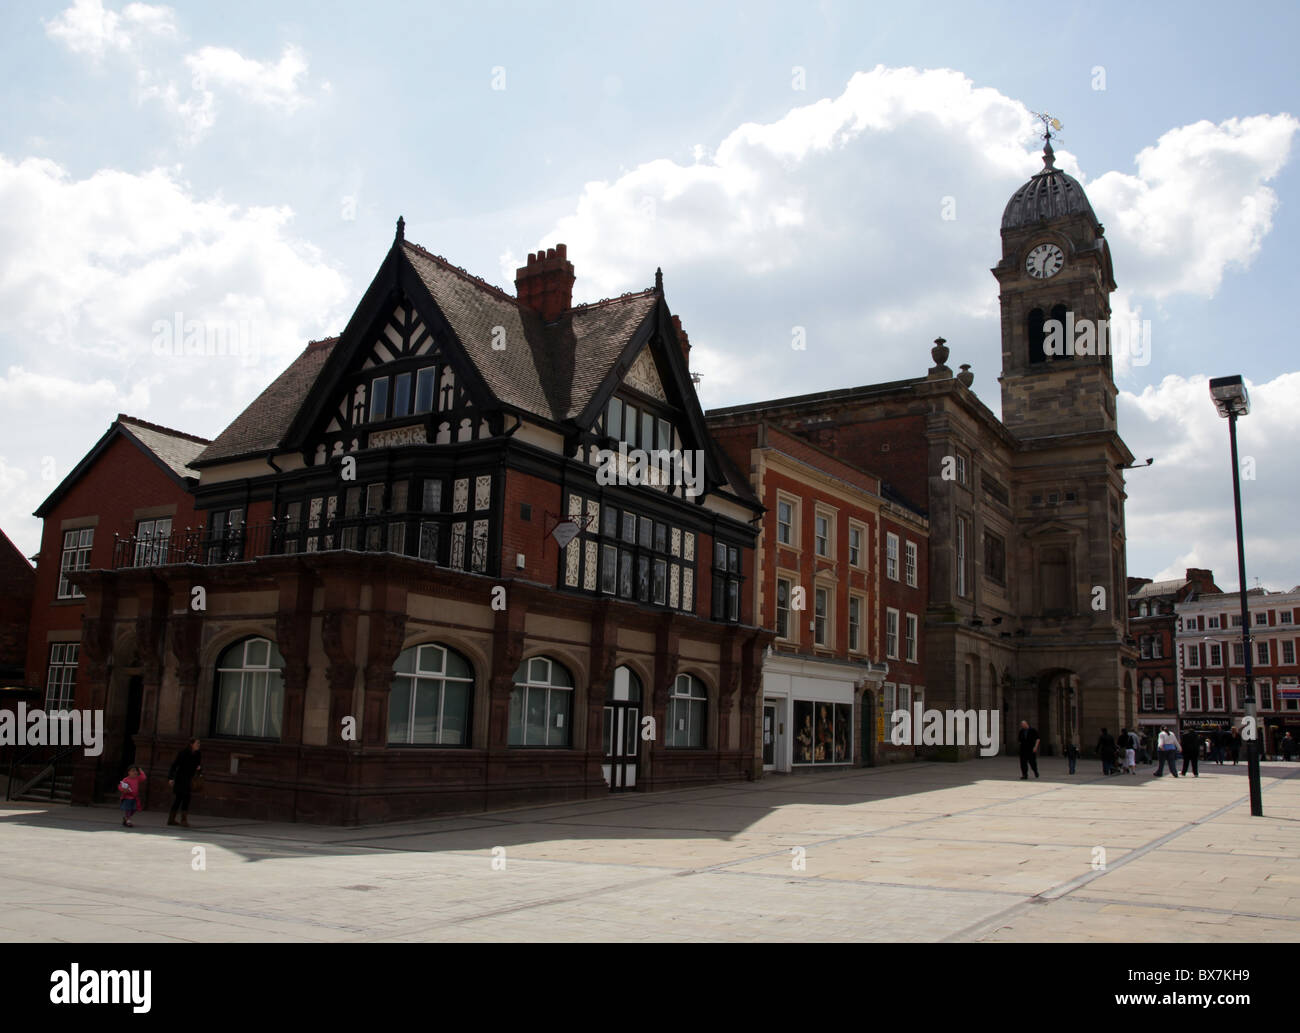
1231 399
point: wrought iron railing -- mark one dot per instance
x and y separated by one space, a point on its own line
48 762
443 542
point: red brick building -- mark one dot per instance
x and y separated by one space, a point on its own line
120 506
1212 663
1153 628
18 581
841 581
436 574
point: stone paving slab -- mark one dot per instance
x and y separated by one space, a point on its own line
911 852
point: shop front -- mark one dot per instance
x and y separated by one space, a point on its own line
809 712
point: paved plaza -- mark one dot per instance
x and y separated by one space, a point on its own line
915 852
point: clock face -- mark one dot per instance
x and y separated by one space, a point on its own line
1044 261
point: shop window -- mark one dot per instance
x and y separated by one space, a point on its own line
823 732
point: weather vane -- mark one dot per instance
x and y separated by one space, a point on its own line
1049 123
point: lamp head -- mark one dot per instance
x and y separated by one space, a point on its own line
1230 397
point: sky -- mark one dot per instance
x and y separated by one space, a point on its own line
828 173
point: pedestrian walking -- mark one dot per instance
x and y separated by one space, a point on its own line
1028 750
1072 755
1191 752
1128 743
1167 747
184 770
128 791
1288 745
1234 744
1106 751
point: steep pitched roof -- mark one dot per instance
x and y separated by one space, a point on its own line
260 427
16 571
548 370
173 450
560 365
176 449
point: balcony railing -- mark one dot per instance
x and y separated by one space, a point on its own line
442 542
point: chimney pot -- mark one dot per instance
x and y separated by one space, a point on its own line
545 284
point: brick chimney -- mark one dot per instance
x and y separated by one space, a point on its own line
686 341
545 284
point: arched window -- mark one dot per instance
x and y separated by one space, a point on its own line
250 691
541 704
1034 328
687 712
1147 700
1158 687
432 697
627 686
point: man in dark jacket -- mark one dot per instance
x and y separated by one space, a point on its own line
1191 743
1028 750
188 763
1106 751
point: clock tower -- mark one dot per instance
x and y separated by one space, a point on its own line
1055 278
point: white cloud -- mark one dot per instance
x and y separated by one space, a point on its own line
1197 205
88 28
831 218
276 86
187 87
1180 511
93 271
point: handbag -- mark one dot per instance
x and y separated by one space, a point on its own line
196 785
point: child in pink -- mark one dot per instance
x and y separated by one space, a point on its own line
129 791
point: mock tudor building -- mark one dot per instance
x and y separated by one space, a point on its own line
1153 627
433 575
1027 591
840 577
1212 663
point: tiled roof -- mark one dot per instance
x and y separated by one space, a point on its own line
551 371
261 426
1158 588
175 448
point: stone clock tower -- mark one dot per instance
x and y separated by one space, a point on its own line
1055 266
1058 401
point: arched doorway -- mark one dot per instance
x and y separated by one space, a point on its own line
622 731
1058 710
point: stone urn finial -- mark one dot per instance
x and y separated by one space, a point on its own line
965 377
940 354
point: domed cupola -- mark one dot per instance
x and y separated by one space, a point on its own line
1050 194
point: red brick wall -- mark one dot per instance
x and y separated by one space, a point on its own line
905 464
531 537
17 587
905 599
123 480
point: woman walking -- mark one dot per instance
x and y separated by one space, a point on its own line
184 769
